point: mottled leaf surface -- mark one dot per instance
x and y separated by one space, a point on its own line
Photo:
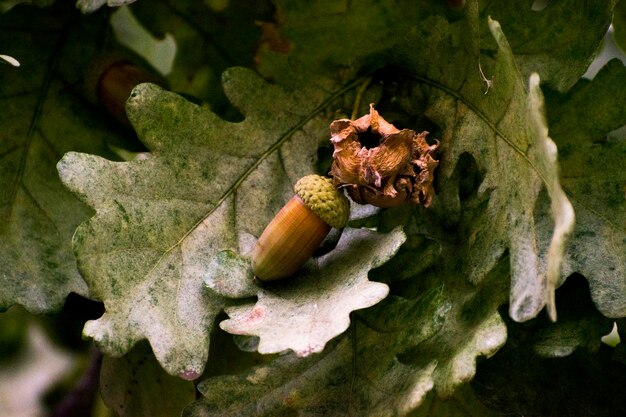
545 41
594 176
492 123
161 222
504 133
385 365
167 249
307 312
483 109
322 383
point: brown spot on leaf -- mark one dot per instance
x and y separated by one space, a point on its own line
272 39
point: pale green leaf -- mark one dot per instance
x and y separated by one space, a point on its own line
484 340
329 383
387 363
594 177
491 118
561 209
161 222
482 107
498 125
307 312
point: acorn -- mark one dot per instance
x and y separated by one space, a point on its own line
299 228
110 80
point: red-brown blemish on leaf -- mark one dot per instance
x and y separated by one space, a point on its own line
189 375
256 314
273 39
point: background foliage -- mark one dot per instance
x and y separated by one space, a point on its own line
138 238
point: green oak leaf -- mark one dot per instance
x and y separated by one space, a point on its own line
464 403
536 373
307 312
357 46
549 41
161 222
43 115
500 126
593 175
6 5
545 41
373 369
167 248
619 21
487 244
353 375
580 326
482 104
208 41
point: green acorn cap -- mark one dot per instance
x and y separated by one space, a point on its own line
327 202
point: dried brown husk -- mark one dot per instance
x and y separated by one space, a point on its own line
381 165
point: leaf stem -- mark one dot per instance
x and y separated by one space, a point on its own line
359 96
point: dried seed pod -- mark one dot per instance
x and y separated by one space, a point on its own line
299 228
381 165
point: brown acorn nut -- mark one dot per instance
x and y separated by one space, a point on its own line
299 228
110 81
